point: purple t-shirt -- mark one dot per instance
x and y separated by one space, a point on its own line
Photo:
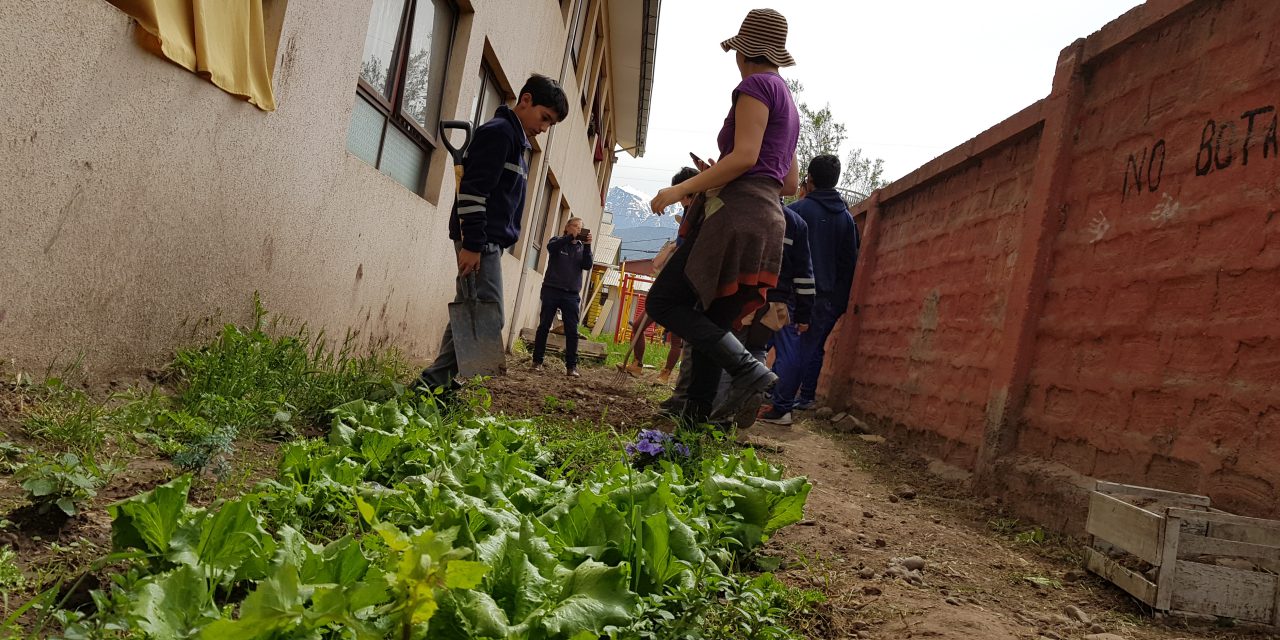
778 148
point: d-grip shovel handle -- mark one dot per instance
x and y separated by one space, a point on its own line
456 152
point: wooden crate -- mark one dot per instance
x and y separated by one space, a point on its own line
588 351
1176 553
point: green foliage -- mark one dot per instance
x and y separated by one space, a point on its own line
68 419
11 577
410 523
552 404
264 385
655 353
726 607
66 481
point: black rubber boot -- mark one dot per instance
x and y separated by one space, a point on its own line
751 380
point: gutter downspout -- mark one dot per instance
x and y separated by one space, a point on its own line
514 330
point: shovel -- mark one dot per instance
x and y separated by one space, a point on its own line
477 333
476 324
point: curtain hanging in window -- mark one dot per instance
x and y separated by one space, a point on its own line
222 40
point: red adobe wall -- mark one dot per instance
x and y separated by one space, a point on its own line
1158 353
933 316
1092 283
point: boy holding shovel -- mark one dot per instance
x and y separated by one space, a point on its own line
486 214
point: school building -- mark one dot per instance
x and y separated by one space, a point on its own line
160 168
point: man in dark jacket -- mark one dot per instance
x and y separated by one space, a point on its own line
486 214
568 256
833 246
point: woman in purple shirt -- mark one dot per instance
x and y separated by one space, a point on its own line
733 248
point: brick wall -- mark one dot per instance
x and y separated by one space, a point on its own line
933 316
1105 300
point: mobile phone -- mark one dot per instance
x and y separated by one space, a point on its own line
698 162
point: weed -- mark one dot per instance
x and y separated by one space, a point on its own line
552 404
65 481
1004 526
68 419
10 455
264 385
11 577
1034 535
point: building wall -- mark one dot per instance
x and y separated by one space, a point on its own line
1111 313
140 199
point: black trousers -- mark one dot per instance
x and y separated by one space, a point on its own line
673 303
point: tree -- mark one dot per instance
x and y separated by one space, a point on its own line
862 175
820 134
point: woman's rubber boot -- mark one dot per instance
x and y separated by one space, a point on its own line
751 380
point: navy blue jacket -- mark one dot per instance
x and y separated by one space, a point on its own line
795 278
491 197
833 244
566 260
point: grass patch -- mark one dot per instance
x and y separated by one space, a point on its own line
655 353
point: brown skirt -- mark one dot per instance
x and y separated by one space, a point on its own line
737 233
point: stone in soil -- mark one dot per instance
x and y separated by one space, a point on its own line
823 413
894 499
868 514
839 417
1076 613
953 602
867 573
1103 636
872 439
871 591
881 543
1097 628
911 563
905 492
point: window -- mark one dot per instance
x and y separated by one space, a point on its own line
490 96
579 30
393 125
545 210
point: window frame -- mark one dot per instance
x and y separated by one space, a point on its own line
391 107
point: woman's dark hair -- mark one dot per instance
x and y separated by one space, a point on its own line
684 174
824 170
760 60
546 92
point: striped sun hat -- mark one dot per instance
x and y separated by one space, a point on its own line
763 33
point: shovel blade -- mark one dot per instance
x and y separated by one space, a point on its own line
477 337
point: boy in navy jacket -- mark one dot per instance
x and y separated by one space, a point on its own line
833 245
486 215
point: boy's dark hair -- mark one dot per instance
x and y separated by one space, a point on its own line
684 174
824 170
546 93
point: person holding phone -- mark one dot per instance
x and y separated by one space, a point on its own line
568 255
732 249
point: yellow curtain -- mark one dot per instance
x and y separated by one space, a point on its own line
222 39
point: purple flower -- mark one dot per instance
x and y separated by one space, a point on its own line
681 450
651 448
630 449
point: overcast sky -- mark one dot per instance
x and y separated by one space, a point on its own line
909 78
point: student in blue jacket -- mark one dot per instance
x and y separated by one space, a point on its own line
833 246
486 215
568 256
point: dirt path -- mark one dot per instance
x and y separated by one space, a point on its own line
978 580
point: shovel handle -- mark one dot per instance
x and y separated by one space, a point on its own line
456 152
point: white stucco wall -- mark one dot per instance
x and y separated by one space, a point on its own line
137 199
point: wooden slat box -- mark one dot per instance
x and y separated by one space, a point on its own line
1176 553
